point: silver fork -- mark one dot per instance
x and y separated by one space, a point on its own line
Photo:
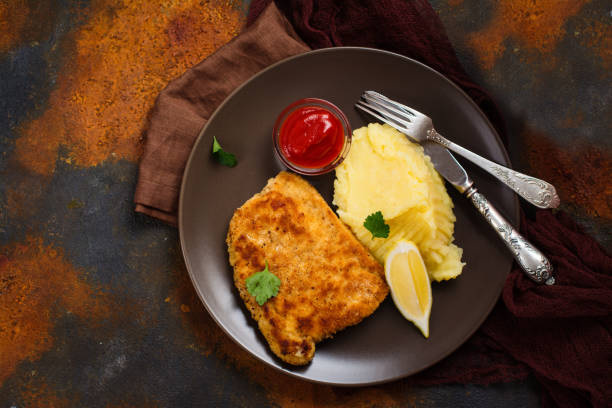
419 127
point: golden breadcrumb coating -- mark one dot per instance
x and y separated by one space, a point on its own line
328 279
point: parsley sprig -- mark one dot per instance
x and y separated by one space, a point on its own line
375 223
223 157
263 285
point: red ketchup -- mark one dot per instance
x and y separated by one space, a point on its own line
311 137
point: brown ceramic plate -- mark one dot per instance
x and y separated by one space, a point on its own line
384 346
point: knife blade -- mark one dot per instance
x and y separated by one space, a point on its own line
531 260
447 165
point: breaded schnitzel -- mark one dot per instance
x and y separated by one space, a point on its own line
328 279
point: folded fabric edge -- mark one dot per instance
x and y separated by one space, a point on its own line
168 218
153 198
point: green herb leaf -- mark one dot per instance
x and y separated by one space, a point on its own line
375 223
263 285
223 157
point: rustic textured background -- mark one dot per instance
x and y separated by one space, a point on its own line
96 308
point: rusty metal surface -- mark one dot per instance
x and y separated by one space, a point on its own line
548 65
96 308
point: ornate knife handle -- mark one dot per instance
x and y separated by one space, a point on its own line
533 262
536 191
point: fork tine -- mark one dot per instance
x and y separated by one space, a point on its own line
386 111
408 109
386 106
361 105
379 99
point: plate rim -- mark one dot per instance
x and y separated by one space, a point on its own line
514 217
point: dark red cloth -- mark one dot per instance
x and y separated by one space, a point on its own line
561 333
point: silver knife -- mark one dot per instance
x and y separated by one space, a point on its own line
533 262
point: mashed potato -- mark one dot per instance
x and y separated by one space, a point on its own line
386 172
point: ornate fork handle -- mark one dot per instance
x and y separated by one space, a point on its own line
536 191
533 262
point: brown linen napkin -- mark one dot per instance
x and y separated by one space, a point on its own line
185 105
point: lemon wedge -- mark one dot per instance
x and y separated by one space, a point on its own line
409 283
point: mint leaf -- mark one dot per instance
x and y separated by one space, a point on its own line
223 157
375 223
263 285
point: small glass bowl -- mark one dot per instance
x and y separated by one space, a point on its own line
328 106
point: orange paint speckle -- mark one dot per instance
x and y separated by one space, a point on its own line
581 174
124 55
281 389
37 285
598 36
15 201
25 22
13 19
573 121
22 199
536 25
35 393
